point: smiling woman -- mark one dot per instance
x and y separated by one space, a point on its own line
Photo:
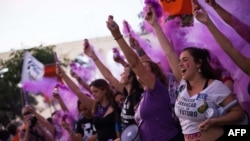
29 23
198 83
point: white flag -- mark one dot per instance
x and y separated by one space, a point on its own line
32 68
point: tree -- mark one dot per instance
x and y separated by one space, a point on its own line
11 99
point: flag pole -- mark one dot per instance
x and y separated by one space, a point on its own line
24 97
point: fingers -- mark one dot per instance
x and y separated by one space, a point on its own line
114 28
116 55
111 17
59 71
127 27
211 2
195 5
205 125
86 43
202 127
197 8
133 42
72 73
111 23
87 48
149 12
29 108
65 125
151 16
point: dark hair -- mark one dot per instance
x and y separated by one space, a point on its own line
202 56
156 69
135 85
4 134
103 84
12 128
49 119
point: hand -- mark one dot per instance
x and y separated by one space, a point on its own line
212 3
150 16
29 109
92 138
87 49
200 13
59 71
27 124
114 28
205 124
65 125
73 74
117 57
134 43
56 96
117 139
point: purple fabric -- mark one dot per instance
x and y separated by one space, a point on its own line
100 111
157 122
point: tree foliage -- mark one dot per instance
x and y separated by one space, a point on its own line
11 99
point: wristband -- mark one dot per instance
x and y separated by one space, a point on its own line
118 37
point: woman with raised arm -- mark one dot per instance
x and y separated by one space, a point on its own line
239 59
198 89
240 27
153 115
128 84
84 84
103 106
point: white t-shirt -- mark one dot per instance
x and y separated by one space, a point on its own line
191 111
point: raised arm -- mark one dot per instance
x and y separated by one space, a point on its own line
41 119
80 81
167 47
242 61
77 91
139 50
241 28
57 96
118 58
69 128
88 50
134 61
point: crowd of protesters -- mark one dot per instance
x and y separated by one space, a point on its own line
162 107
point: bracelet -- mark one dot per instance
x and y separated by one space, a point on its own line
119 37
140 52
